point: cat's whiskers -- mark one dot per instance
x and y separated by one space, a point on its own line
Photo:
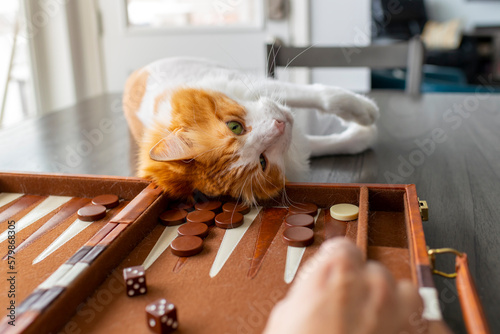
286 200
268 195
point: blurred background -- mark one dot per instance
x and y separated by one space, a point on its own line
56 53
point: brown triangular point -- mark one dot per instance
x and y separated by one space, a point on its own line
179 264
271 221
66 211
19 205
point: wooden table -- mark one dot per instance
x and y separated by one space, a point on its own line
447 144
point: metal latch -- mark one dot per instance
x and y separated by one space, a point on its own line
424 209
432 258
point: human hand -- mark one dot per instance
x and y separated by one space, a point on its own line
337 292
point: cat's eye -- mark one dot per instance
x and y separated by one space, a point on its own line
263 162
235 127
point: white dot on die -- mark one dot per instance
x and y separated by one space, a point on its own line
129 282
128 269
161 312
135 271
163 301
136 286
169 322
164 319
152 322
141 273
141 279
151 307
174 326
131 292
171 306
142 290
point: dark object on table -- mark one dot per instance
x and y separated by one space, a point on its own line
301 219
92 212
108 200
398 19
229 220
186 245
298 236
201 216
194 229
214 206
173 217
306 208
135 281
236 207
162 316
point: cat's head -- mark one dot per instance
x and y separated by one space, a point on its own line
218 146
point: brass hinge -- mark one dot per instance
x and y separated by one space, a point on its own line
424 209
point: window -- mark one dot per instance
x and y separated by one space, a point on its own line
18 102
193 13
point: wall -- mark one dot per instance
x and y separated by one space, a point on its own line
472 13
341 23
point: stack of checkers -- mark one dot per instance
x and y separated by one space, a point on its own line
196 220
299 224
97 210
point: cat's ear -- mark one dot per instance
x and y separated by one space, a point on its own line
175 146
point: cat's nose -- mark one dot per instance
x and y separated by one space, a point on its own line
280 126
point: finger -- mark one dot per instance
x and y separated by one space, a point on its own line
382 297
337 254
411 308
380 301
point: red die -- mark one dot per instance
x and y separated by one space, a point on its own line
135 281
162 316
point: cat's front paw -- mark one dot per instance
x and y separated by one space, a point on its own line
349 106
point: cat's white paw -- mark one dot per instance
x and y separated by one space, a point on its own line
348 105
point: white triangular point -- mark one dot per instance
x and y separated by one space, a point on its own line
45 207
231 239
293 257
167 236
6 198
75 228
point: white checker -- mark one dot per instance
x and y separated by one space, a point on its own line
293 258
76 227
72 274
6 198
432 310
48 205
167 236
231 239
56 275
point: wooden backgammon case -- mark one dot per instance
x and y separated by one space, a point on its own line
76 286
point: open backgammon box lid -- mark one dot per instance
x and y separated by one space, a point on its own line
66 274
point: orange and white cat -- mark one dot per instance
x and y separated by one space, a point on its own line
202 126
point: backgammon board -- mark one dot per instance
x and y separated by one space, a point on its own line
67 273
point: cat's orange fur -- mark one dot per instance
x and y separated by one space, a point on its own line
199 117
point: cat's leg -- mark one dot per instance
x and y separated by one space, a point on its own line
333 100
355 139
